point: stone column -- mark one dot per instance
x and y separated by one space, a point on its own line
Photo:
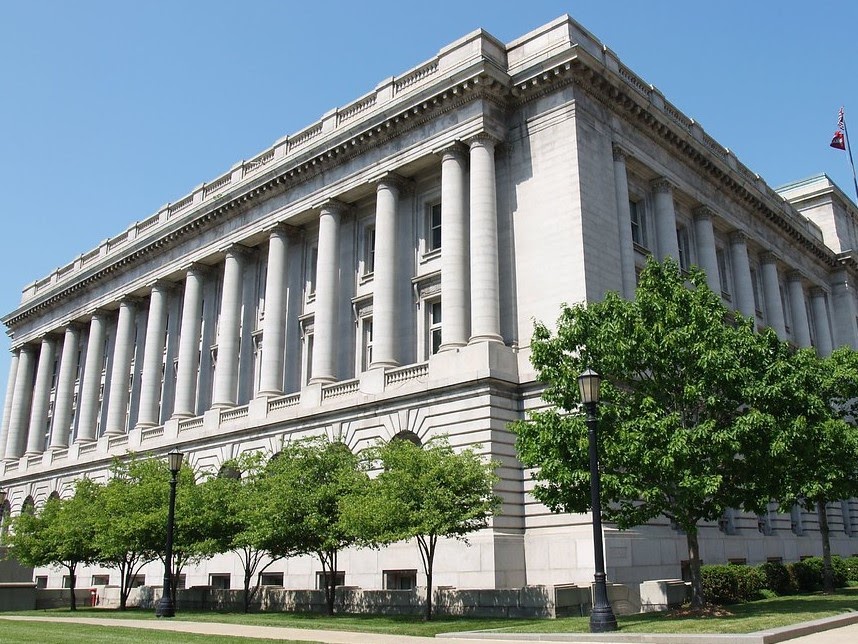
665 220
742 275
324 368
120 372
771 292
88 401
707 255
800 324
624 217
64 398
153 357
384 305
485 284
21 403
455 292
843 303
41 396
274 322
7 405
189 343
229 328
819 311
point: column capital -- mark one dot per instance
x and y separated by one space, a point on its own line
161 284
392 180
795 276
454 149
283 229
484 139
738 237
237 249
96 313
662 184
703 213
334 207
619 152
768 257
196 268
129 300
818 291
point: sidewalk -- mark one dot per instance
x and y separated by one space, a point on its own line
841 629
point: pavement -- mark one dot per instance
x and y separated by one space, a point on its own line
841 629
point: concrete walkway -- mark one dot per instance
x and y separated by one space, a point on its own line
841 629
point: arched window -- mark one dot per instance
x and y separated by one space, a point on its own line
29 506
5 512
409 436
54 495
228 471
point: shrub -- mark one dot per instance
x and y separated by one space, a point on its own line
808 574
777 578
851 564
731 584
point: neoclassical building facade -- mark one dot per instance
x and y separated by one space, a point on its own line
379 272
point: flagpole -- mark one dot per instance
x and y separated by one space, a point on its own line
849 151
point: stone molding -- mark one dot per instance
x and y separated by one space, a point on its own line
662 185
703 213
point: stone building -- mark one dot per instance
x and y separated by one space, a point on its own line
379 272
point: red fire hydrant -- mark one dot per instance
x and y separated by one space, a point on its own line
93 597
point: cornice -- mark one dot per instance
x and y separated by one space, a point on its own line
481 81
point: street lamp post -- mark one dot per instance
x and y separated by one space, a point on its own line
166 608
602 619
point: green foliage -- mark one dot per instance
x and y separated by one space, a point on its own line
61 535
851 564
808 573
302 495
730 584
778 578
676 437
424 493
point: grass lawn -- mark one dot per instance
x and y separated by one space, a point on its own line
742 618
13 632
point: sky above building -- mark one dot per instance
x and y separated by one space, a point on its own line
111 109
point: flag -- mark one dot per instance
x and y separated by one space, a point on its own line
838 141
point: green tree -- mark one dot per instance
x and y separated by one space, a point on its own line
304 491
677 438
814 453
61 535
239 519
126 524
425 493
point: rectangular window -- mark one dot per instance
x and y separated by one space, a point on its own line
313 260
137 581
786 307
322 578
684 248
369 250
272 579
181 582
308 357
755 285
400 579
67 581
638 222
100 580
433 237
434 326
366 343
723 274
41 581
219 580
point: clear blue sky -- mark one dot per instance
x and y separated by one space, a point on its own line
111 109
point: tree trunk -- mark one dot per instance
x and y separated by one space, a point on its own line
247 575
697 599
72 599
124 582
827 571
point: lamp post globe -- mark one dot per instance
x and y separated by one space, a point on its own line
602 618
166 608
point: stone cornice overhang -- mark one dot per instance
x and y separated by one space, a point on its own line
619 95
481 80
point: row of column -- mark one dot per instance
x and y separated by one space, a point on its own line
664 217
469 292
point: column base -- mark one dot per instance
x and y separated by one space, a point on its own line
322 380
485 337
223 405
269 393
384 364
451 346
